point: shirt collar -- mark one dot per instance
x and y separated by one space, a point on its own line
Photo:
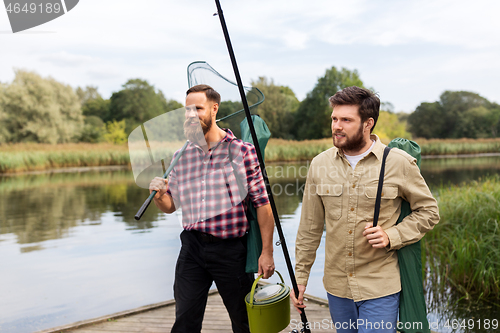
377 150
229 136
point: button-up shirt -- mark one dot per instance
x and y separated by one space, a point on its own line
204 185
343 199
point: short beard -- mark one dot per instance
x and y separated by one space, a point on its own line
196 134
351 144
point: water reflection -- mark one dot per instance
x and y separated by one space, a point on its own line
287 184
71 250
75 234
38 208
458 170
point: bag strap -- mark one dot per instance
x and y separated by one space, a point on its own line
244 200
379 189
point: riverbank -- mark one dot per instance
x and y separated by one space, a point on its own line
16 158
463 250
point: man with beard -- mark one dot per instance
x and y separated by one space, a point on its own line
361 266
204 184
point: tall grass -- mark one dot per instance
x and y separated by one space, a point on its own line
31 157
289 150
463 251
458 146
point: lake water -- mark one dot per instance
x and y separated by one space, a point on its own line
70 248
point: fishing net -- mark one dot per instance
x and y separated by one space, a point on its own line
231 111
153 144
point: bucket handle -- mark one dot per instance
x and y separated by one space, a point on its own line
254 285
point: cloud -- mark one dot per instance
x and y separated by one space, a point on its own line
103 74
65 59
410 51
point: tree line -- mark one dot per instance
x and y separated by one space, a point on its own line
37 109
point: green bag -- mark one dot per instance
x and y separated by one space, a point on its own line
254 240
412 308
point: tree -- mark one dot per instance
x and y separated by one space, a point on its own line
233 123
279 107
480 122
427 121
92 103
389 127
455 104
89 93
313 115
93 130
137 103
41 110
457 114
4 133
494 120
115 132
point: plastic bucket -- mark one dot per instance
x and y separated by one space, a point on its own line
268 307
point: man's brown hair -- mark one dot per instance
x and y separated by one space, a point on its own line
368 103
211 94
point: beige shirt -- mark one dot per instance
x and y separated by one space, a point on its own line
344 200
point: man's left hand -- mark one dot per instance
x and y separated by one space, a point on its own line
376 236
266 265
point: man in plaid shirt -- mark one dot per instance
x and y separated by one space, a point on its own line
210 183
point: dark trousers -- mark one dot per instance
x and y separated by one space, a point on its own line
201 262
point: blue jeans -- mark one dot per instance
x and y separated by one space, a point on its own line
375 315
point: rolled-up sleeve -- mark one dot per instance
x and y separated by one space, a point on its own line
255 180
310 230
425 211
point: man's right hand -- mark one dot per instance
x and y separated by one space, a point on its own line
159 185
298 302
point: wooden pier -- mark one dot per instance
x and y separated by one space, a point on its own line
159 318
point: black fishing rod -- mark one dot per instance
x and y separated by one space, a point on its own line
261 161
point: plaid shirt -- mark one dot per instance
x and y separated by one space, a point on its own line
204 186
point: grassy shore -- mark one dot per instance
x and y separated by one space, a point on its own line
289 150
458 146
463 251
32 157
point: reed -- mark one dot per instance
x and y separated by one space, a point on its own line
458 146
32 157
290 150
463 250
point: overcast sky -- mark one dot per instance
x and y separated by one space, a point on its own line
407 51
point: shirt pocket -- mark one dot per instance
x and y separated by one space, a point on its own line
331 195
388 195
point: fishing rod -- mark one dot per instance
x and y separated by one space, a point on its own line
261 161
146 203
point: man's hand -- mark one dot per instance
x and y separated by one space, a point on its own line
160 185
298 302
376 236
266 265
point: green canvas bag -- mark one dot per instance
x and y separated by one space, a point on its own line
254 241
412 308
